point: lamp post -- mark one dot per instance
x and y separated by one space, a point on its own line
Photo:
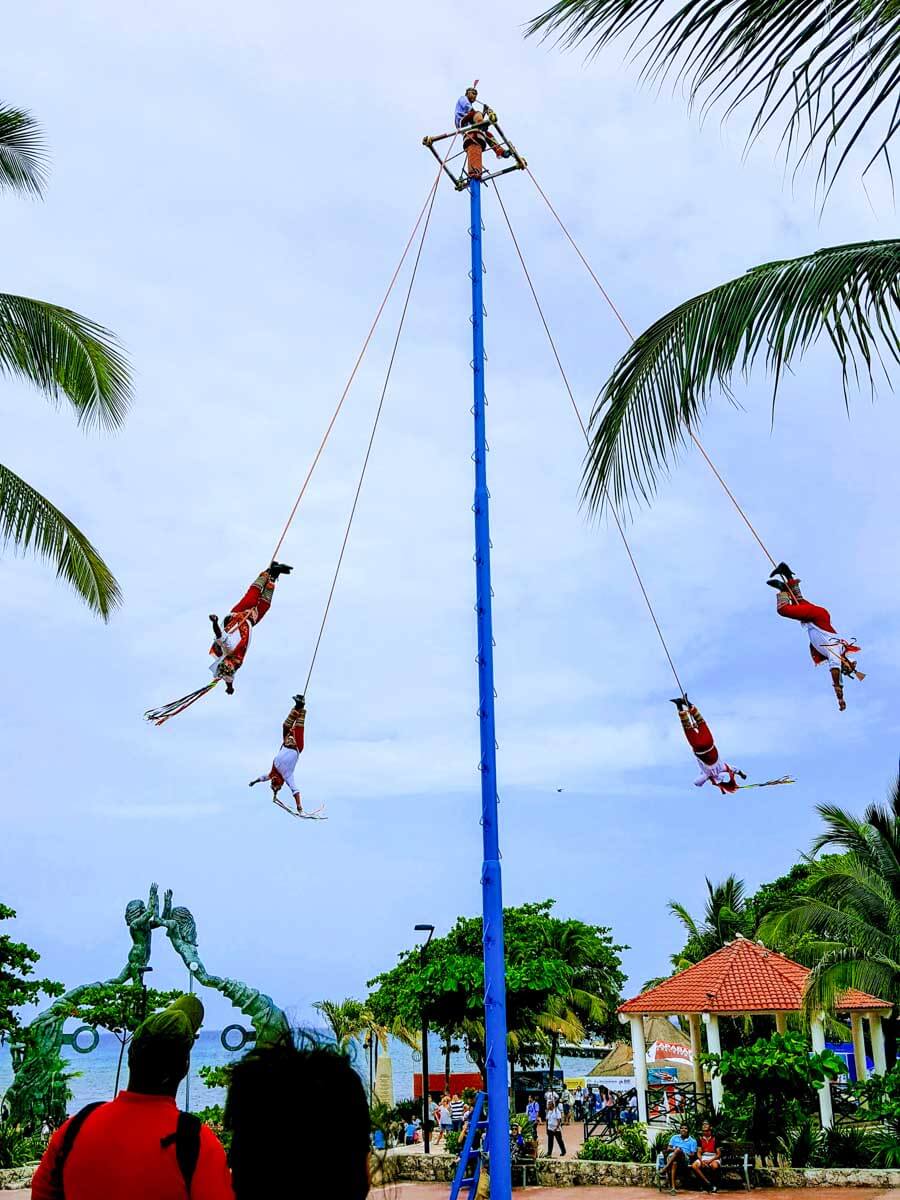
426 1133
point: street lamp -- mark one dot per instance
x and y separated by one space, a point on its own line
426 1133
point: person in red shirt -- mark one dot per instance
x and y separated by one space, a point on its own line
231 645
708 1163
139 1146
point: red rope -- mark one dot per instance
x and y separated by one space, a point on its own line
622 322
565 380
429 199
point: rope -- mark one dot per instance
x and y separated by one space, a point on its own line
622 322
429 199
585 432
362 474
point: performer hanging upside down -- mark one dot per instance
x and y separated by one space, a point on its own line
825 645
232 642
700 740
285 760
477 139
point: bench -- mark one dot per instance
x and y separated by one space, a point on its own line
523 1166
737 1161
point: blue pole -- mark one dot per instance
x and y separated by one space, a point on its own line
492 892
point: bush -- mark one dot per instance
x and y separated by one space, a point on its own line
885 1147
634 1140
845 1146
803 1145
526 1127
595 1149
18 1147
452 1141
407 1110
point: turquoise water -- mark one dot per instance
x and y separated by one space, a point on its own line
98 1069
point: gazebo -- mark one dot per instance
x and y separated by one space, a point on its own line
745 978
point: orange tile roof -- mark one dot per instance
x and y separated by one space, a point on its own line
742 977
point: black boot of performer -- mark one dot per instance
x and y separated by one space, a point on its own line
782 569
278 568
680 702
778 584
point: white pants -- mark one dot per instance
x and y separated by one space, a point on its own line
284 762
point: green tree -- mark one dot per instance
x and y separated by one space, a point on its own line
770 1083
17 962
120 1008
851 909
67 357
544 990
825 71
722 919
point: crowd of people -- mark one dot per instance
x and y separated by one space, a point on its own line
140 1147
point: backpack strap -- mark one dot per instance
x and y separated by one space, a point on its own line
65 1149
186 1140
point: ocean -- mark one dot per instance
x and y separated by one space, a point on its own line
97 1070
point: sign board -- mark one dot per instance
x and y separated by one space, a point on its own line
614 1083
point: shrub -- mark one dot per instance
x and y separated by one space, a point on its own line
452 1141
634 1140
18 1147
803 1145
845 1146
529 1133
885 1147
595 1149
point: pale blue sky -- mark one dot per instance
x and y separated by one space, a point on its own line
231 187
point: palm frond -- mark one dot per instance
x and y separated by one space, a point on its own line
660 389
28 521
23 159
680 911
825 72
66 356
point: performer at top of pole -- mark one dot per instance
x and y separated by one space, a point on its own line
825 644
232 638
478 136
700 739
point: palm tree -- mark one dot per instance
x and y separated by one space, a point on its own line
68 357
722 920
852 907
828 71
346 1019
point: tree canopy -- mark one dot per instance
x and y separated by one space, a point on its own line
17 987
556 969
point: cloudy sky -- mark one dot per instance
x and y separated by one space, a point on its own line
231 188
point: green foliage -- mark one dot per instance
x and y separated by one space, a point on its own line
596 1149
17 988
660 389
119 1007
633 1139
802 1144
820 74
214 1117
850 911
847 1146
526 1127
215 1077
23 159
885 1146
563 978
67 357
452 1141
769 1083
660 1143
18 1146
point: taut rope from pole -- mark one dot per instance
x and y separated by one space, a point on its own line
565 380
429 199
362 474
624 325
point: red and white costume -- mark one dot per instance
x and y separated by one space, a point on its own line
700 739
825 644
282 772
231 648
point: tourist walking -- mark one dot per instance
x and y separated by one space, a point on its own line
566 1105
554 1120
444 1118
436 1121
139 1146
533 1111
457 1114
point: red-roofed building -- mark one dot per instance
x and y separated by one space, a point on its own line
745 978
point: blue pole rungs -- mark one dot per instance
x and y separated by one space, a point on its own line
492 892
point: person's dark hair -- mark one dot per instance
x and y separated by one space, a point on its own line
298 1113
156 1068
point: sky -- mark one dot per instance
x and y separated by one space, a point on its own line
231 188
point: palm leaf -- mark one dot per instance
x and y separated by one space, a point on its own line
661 387
823 71
23 160
28 521
65 355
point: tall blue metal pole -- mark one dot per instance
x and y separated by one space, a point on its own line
492 892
